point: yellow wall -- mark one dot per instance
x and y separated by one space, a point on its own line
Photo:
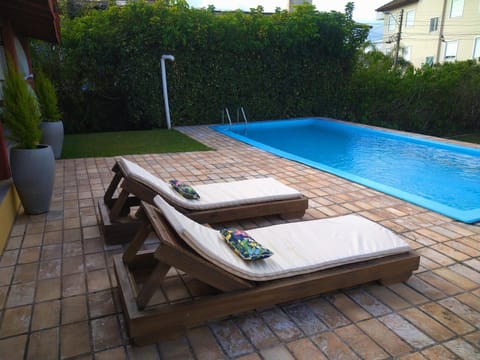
8 210
423 43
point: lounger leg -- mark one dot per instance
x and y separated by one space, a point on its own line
131 252
387 280
108 197
152 284
293 215
120 206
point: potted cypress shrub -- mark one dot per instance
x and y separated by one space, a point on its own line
32 164
51 125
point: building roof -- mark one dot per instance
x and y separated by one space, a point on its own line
36 19
395 4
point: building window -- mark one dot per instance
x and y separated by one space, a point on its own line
451 50
392 22
429 60
456 8
476 49
433 24
410 18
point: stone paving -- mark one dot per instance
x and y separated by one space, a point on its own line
59 298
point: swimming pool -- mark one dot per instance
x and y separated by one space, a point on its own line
438 176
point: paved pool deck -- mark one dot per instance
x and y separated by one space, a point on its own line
59 296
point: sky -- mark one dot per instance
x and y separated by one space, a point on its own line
364 9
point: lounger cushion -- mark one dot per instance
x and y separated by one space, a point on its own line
299 248
213 196
244 245
185 190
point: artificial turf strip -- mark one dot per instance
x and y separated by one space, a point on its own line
128 143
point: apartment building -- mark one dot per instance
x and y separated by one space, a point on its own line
292 3
431 31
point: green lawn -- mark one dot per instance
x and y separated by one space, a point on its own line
128 143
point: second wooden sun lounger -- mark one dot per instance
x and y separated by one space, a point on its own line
310 257
219 202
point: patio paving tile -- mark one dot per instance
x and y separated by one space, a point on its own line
59 295
409 294
21 294
304 349
438 283
383 336
463 349
409 333
332 346
281 324
438 352
363 345
46 315
43 345
204 345
349 308
49 269
13 348
257 331
178 348
447 318
105 333
277 352
25 273
74 309
74 339
15 321
457 279
388 297
328 313
368 302
231 339
427 324
304 318
73 284
48 289
112 354
29 255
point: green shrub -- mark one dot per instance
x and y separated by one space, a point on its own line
439 100
47 98
20 114
107 68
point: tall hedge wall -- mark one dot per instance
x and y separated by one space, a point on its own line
440 100
107 68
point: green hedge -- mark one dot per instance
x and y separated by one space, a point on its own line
439 100
107 69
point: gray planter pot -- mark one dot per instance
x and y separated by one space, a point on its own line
33 173
52 134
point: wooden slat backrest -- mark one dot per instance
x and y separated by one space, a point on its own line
173 251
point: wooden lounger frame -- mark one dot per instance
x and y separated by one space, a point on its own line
118 227
148 324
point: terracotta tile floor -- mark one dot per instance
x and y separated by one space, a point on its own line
58 295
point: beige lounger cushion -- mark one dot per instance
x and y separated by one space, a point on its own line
298 248
213 196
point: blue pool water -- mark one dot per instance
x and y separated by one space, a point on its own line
438 176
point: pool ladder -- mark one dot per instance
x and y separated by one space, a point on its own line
240 111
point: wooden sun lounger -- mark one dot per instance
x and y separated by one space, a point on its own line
119 227
216 293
